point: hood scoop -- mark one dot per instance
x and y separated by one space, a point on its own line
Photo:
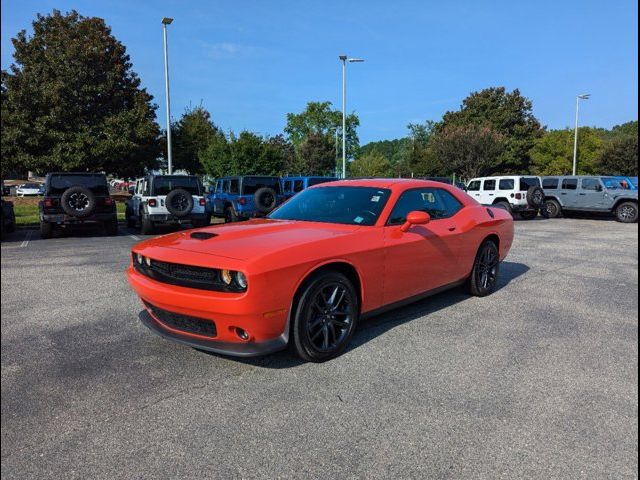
202 235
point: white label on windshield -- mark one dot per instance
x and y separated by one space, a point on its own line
358 219
375 198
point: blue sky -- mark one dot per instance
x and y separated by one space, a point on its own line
251 62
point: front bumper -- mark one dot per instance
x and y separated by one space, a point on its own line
266 328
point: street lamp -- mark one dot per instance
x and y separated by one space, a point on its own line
167 21
583 96
344 59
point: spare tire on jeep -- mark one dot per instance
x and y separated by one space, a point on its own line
265 199
78 202
535 197
179 202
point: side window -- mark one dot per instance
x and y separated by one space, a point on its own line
590 183
436 202
474 186
570 184
489 185
550 183
234 186
218 186
298 186
287 186
507 184
225 186
145 188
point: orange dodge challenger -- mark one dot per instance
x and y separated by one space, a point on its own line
307 273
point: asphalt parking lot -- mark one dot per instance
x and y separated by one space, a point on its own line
538 380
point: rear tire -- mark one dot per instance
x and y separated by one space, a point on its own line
551 209
486 267
505 206
46 230
627 212
325 317
146 225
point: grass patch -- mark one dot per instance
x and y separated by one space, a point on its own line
26 210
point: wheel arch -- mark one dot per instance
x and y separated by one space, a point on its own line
494 237
624 200
501 199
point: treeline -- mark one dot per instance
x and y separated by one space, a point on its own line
71 101
495 132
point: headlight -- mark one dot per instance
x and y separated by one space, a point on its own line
241 279
226 276
139 258
147 261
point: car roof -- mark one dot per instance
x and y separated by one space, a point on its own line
390 183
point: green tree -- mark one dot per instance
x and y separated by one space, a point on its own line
620 156
72 102
191 135
552 154
216 157
317 153
507 113
469 150
372 164
422 160
320 119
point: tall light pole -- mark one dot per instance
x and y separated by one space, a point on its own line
167 21
583 96
344 59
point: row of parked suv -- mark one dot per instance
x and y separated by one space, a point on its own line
551 196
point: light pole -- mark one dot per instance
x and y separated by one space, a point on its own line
167 21
583 96
344 59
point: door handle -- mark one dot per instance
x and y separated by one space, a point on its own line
582 194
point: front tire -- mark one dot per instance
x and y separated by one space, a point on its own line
627 212
325 317
551 209
486 267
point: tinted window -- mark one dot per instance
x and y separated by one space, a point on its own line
317 181
590 184
489 185
436 202
163 185
346 205
507 184
96 183
474 186
527 183
251 184
298 186
234 186
550 183
287 186
570 184
225 186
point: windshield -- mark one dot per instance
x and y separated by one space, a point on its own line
250 185
344 205
31 185
163 185
96 183
634 181
612 183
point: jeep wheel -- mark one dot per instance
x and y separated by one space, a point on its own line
325 317
46 230
146 225
551 209
627 212
265 199
528 214
230 215
79 202
535 197
179 202
504 205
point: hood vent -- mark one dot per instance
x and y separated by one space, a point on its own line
202 235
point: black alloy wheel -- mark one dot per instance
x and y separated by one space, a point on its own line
326 317
551 209
486 268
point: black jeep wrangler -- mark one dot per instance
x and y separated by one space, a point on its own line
75 198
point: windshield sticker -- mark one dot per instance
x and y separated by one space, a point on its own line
375 198
358 219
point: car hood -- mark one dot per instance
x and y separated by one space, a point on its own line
251 239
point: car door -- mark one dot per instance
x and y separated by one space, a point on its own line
591 195
488 191
569 193
425 257
473 189
221 190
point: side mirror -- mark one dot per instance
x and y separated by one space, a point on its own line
415 218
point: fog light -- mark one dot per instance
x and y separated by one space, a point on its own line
242 334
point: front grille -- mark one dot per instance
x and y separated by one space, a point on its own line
185 275
184 323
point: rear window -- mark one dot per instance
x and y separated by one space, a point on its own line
163 185
527 182
60 182
550 183
250 185
507 184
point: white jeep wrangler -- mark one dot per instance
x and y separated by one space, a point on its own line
168 199
516 194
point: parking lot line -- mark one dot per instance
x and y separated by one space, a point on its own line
134 237
27 237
